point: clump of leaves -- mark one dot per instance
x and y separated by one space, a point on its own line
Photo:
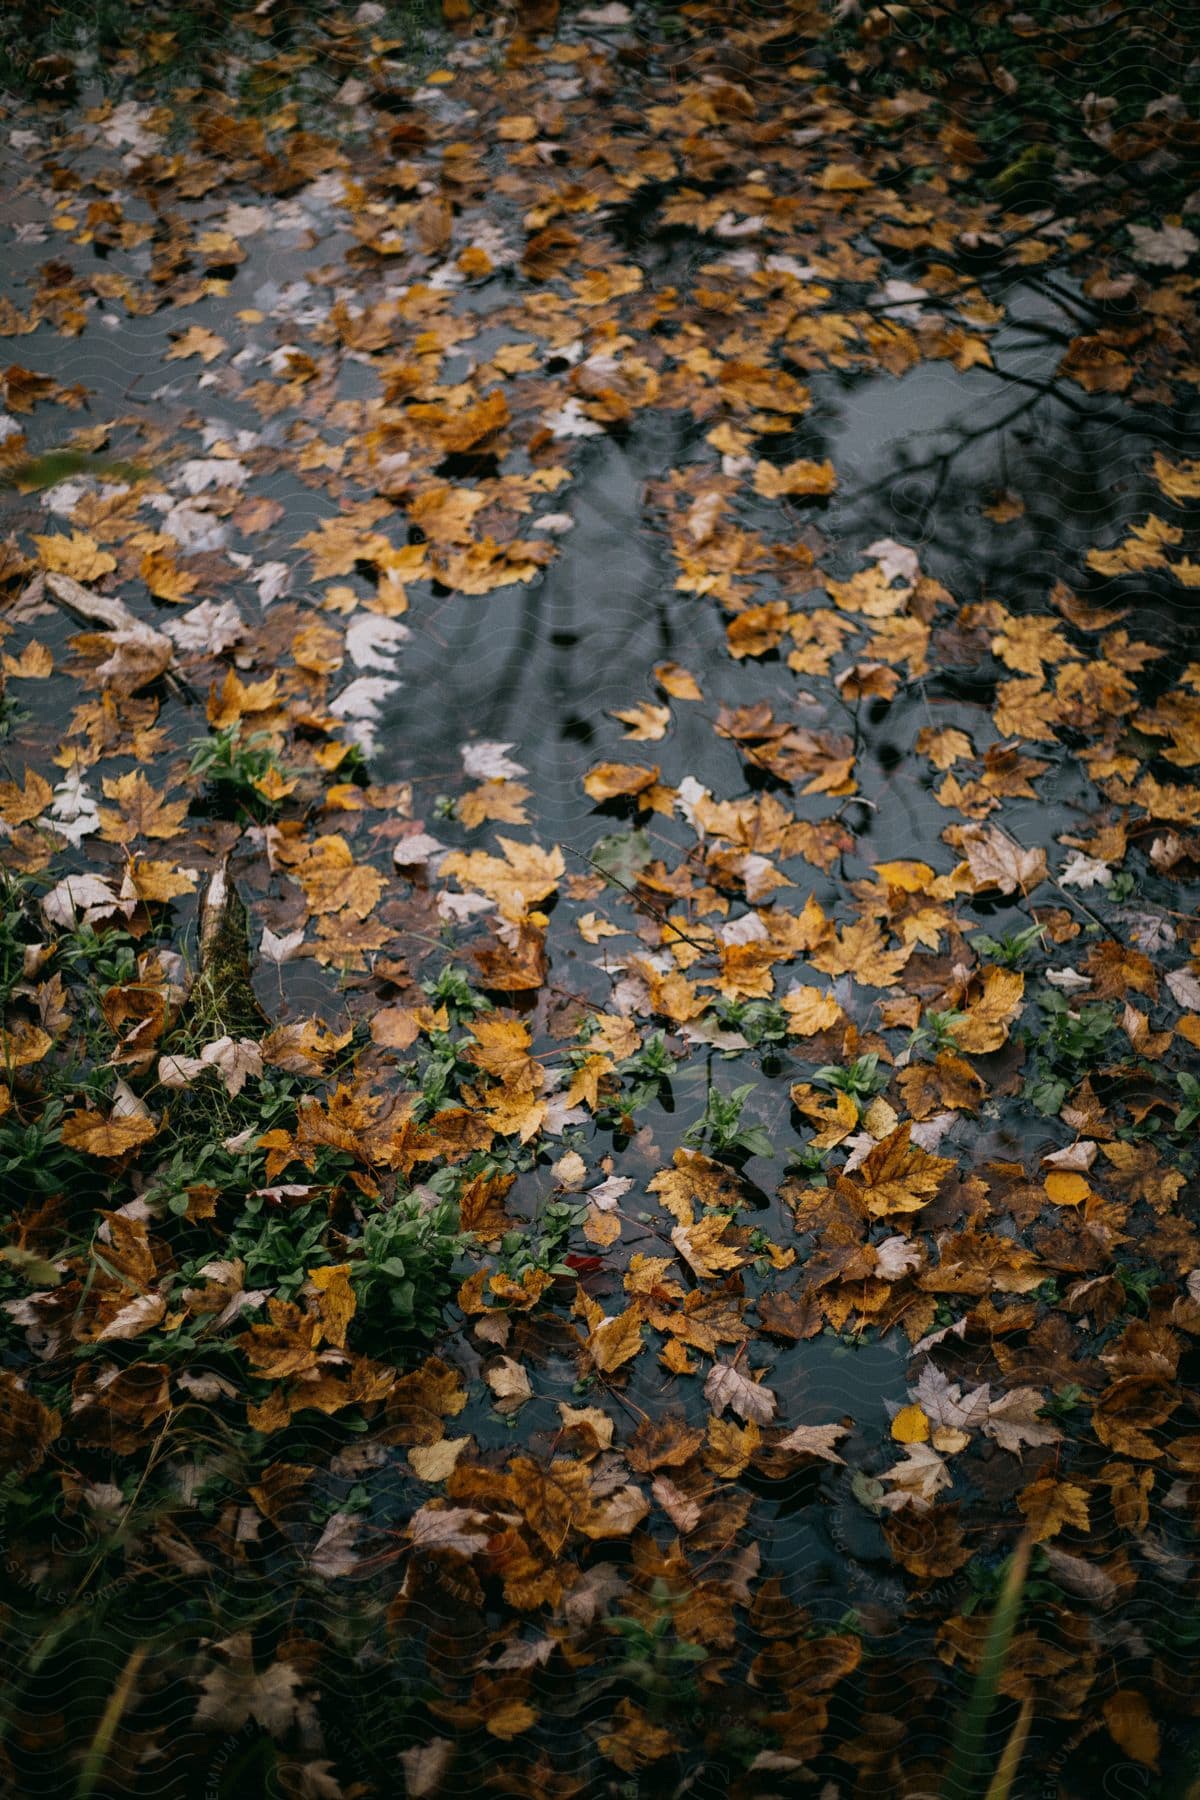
862 1079
721 1132
522 1250
16 930
241 772
402 1274
936 1031
1069 1044
1009 949
659 1664
1189 1112
759 1021
452 990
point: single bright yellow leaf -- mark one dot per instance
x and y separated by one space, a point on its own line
1066 1188
911 1425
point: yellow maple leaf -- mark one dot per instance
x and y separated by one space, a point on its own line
1142 549
802 479
159 881
35 662
78 556
92 1133
501 1048
502 801
197 340
333 882
991 1013
612 781
730 1446
514 1112
615 1341
647 723
592 928
809 1010
585 1083
897 1177
860 951
526 875
1029 642
1179 481
165 579
758 629
1049 1505
701 1247
677 682
18 805
144 812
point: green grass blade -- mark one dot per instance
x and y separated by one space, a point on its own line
966 1772
97 1755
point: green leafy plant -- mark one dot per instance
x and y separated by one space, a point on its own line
721 1131
1065 1402
808 1161
862 1079
1068 1045
759 1021
646 1078
659 1664
1189 1112
101 958
1009 949
540 1248
234 766
936 1031
452 990
402 1274
1138 1284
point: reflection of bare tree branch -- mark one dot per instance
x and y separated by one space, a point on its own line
945 457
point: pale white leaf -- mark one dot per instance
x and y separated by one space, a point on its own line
486 761
815 1440
1185 989
454 1527
570 421
1012 1421
727 1386
211 472
80 899
1085 872
510 1383
373 640
280 949
917 1480
898 561
1164 247
333 1554
609 1193
134 1317
683 1512
206 627
271 579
